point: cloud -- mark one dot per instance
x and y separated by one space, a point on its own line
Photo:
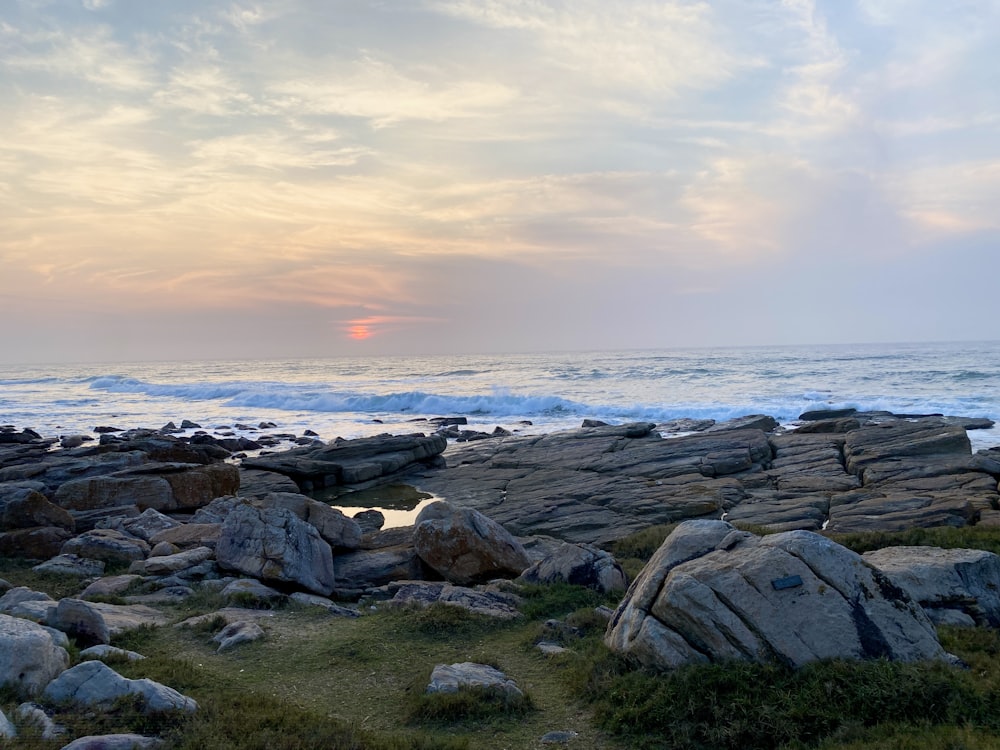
90 54
377 91
654 48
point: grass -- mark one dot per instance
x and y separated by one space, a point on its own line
948 537
321 681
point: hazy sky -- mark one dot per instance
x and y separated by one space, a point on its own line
202 178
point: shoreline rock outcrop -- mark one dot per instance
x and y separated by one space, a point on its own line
713 593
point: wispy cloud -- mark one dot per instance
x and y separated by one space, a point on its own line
389 164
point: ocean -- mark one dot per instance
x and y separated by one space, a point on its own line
356 397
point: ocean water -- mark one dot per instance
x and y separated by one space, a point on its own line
356 397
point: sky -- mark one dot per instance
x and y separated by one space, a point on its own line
277 178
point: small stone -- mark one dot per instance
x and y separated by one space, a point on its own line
237 633
557 738
450 678
551 649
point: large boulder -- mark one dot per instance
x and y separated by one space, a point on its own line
464 546
273 544
161 486
25 508
581 565
945 581
39 543
93 683
713 593
336 528
81 621
29 657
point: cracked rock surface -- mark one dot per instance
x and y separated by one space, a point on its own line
713 593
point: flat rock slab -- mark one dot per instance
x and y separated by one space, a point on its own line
598 484
350 461
481 602
121 618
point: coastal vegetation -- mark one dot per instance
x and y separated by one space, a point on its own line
318 681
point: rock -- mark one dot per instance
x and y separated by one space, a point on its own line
826 414
107 545
93 683
104 652
464 546
845 424
29 657
966 580
685 425
25 436
81 621
189 535
490 603
227 615
712 593
580 565
311 600
237 633
250 592
350 461
450 678
114 742
25 508
367 568
337 529
71 565
369 520
122 618
164 549
159 566
557 737
597 485
31 714
13 603
7 730
760 422
167 595
551 649
162 486
257 482
148 524
36 543
273 544
888 441
217 510
103 518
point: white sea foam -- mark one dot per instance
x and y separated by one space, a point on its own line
555 391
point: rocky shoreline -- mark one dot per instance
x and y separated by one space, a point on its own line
169 515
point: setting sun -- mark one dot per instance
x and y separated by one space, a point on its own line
359 332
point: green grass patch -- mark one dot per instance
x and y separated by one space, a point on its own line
475 704
642 544
948 537
559 599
